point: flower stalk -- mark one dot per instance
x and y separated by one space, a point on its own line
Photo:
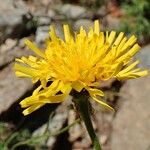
83 107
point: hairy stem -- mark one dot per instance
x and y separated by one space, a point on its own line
82 105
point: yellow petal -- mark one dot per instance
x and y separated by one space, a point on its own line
96 27
127 56
66 33
103 103
25 70
57 98
19 60
23 75
133 74
66 88
95 84
52 33
130 42
119 38
34 48
94 92
142 73
32 108
129 67
36 91
78 86
90 33
118 67
111 37
119 48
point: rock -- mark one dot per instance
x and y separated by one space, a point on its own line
9 44
113 23
75 132
41 34
56 122
131 125
9 51
51 13
144 57
83 22
11 15
46 2
72 11
11 87
43 21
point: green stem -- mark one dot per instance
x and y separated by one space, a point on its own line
82 105
10 138
45 135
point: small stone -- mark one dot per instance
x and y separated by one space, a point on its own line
72 11
46 2
21 43
83 22
103 139
144 57
51 13
84 144
42 33
55 124
10 16
8 45
8 55
11 87
42 21
58 121
74 132
39 131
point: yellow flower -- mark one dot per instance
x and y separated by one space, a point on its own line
79 62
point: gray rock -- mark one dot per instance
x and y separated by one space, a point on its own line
42 33
83 22
10 50
11 16
144 57
11 87
51 13
44 20
131 125
9 44
72 11
55 123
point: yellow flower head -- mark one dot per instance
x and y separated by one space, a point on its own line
79 62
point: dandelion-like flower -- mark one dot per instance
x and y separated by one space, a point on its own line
78 62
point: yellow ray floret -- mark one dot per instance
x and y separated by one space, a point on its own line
80 61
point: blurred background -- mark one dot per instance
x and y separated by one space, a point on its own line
126 129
